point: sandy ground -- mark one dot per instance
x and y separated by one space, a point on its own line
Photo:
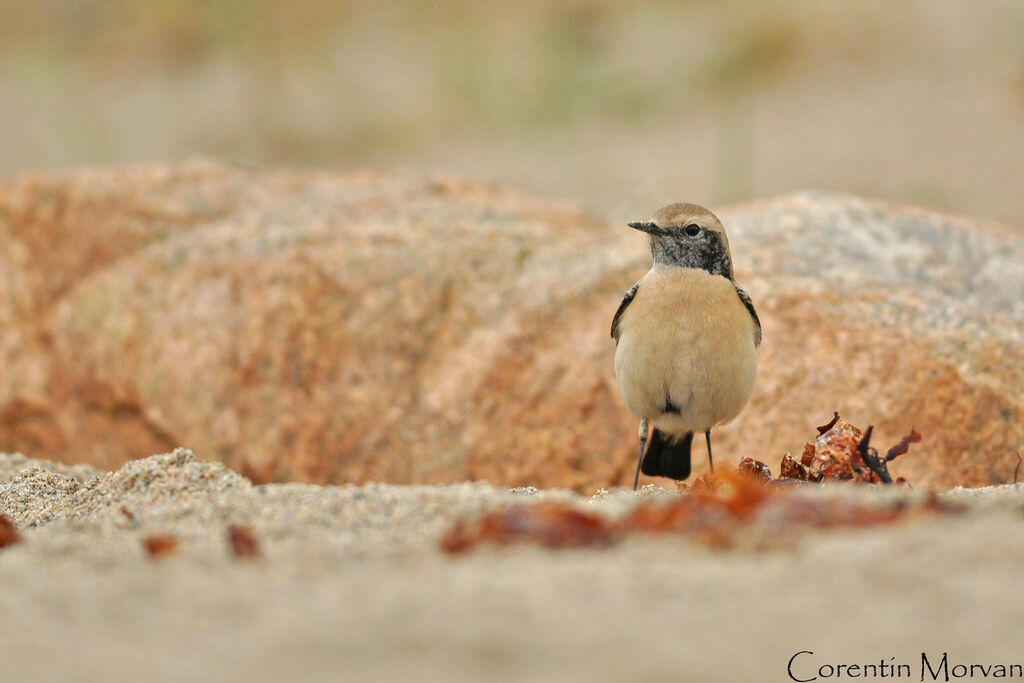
351 585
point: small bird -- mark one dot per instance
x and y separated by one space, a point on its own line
686 340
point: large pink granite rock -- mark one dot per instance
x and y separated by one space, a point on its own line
410 328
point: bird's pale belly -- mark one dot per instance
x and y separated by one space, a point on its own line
686 363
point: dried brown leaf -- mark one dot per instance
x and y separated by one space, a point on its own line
744 496
159 546
825 427
756 469
551 525
659 518
791 468
242 541
705 483
8 532
807 457
903 446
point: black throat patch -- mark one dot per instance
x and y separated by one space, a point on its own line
707 251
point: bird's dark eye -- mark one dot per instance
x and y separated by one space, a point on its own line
692 229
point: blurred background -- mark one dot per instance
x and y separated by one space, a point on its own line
617 107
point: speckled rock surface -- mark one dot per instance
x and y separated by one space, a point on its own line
415 329
893 316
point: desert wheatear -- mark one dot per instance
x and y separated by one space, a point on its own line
686 337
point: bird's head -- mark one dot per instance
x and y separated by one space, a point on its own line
688 236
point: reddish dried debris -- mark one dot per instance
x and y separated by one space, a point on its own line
837 455
880 466
903 446
242 541
552 525
716 508
723 509
833 455
8 532
830 424
159 546
704 483
789 468
749 467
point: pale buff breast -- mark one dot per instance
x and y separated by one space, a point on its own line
686 335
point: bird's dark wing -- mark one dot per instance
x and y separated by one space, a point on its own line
745 298
622 309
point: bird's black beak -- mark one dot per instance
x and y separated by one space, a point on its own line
645 226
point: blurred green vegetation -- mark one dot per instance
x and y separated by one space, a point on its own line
553 96
382 71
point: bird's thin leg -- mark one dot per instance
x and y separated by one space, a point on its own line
640 453
711 463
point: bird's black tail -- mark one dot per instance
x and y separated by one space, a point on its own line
667 457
